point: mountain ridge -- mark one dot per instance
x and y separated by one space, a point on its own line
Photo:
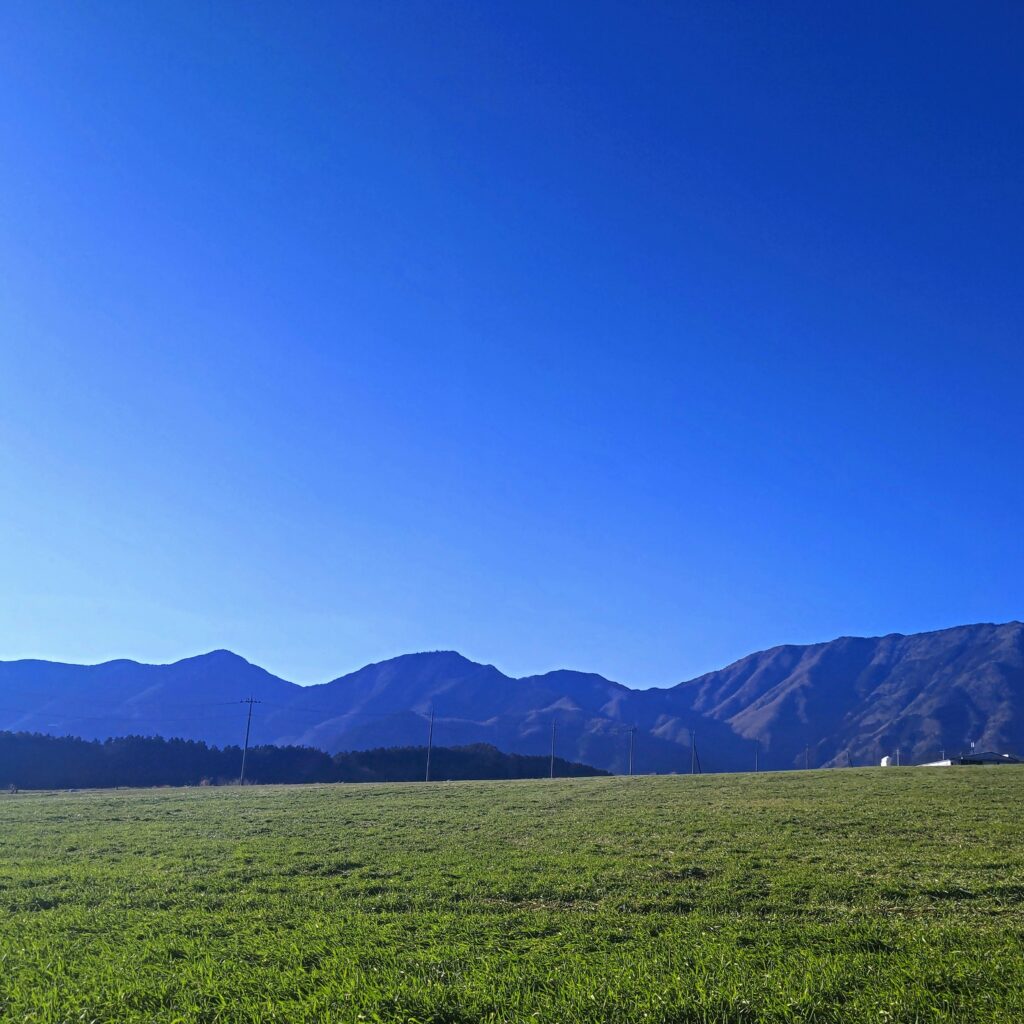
846 700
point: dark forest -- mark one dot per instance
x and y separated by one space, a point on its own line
36 761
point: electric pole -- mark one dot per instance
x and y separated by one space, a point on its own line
552 748
807 758
757 749
632 733
430 741
248 725
693 752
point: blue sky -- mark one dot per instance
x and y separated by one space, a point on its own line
623 337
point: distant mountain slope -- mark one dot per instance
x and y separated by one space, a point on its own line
849 700
119 698
857 699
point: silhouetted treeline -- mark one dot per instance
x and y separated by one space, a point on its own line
477 761
37 761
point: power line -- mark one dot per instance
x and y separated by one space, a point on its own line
124 717
611 729
126 702
335 713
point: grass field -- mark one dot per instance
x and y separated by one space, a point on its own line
864 895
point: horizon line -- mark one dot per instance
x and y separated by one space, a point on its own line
486 664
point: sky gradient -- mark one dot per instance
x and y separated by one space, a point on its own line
627 338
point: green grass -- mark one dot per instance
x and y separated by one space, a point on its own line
867 895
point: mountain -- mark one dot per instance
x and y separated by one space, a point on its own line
121 698
850 700
854 699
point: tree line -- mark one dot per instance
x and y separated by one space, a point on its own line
38 761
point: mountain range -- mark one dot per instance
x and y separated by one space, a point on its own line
847 701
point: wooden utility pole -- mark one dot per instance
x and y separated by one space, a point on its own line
693 752
430 741
632 733
248 726
552 773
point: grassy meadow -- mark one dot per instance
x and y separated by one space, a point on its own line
863 895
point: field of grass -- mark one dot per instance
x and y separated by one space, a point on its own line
847 896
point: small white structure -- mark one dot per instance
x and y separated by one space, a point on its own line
887 761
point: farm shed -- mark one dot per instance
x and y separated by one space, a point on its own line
988 757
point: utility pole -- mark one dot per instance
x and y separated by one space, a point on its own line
430 740
693 752
552 775
248 726
897 757
757 749
632 733
807 758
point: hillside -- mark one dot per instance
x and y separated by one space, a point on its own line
854 699
850 700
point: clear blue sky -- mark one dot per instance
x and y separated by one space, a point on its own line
622 337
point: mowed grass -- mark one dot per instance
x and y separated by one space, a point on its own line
863 895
